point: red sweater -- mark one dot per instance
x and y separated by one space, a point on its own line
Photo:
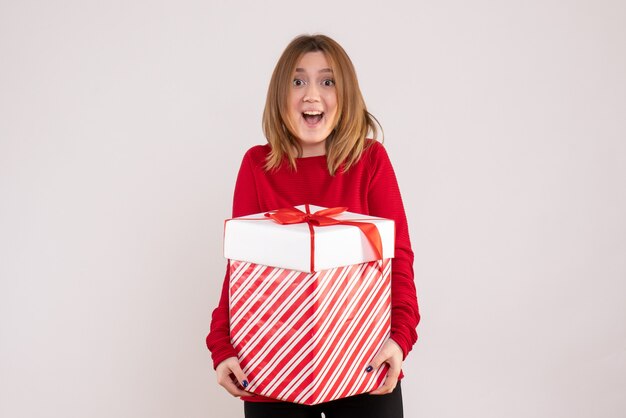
368 187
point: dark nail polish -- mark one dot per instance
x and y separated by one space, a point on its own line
244 384
369 369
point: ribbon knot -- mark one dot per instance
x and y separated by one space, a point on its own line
324 217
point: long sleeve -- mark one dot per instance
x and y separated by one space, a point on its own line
384 200
245 202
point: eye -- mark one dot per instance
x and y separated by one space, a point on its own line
329 82
298 82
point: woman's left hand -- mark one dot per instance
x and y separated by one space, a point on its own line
390 353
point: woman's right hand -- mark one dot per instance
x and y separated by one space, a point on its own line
230 375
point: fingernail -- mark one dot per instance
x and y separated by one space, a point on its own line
369 369
244 383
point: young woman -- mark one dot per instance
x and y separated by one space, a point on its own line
316 124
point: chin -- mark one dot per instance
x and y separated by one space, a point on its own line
313 138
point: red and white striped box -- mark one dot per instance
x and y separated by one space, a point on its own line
307 337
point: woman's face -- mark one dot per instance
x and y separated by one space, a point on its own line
312 102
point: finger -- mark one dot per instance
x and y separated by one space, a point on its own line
388 387
227 379
230 369
376 361
241 377
383 390
233 389
391 380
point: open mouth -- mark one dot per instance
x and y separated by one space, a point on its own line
312 117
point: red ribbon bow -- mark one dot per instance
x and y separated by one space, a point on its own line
287 216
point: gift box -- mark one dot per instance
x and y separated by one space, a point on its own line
312 306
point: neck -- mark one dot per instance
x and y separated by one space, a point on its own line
313 150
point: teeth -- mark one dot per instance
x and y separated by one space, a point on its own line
312 112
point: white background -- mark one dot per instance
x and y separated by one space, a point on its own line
122 126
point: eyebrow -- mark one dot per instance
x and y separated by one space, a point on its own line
323 70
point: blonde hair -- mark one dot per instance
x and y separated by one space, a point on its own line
352 123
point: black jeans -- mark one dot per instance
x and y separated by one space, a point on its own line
359 406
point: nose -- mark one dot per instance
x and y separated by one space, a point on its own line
311 94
